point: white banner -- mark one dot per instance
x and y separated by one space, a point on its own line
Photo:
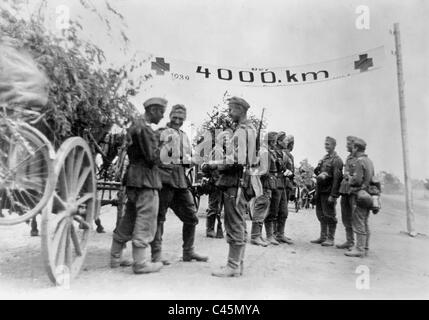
183 71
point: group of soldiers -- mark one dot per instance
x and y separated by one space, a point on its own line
270 210
359 193
152 187
259 186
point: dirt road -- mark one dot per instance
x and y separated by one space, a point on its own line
398 265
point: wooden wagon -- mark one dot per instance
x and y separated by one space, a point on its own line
60 184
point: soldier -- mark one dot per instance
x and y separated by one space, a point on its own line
346 197
359 182
329 175
215 203
234 200
269 184
143 182
175 156
286 184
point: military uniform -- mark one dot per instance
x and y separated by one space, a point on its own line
235 209
262 204
360 180
347 200
142 183
215 203
278 193
286 185
175 193
329 171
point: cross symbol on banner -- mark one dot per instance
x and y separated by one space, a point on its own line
160 66
363 63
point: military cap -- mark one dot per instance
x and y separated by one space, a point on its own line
178 108
290 138
359 142
155 101
351 138
281 135
272 135
330 139
239 101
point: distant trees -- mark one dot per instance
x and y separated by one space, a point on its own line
390 182
304 173
218 119
426 184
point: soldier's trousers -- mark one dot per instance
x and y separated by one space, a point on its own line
347 215
261 206
360 222
215 203
139 222
325 211
182 204
278 206
235 217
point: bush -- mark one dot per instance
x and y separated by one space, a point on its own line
84 95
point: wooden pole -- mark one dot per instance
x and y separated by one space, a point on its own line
404 134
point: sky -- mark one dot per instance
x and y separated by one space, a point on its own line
293 32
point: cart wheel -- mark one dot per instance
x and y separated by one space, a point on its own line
68 217
197 199
26 172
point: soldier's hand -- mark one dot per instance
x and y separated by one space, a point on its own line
331 199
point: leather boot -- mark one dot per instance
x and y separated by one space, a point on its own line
232 269
329 242
116 255
367 243
140 265
255 234
323 233
219 230
100 228
156 245
243 249
359 249
269 229
210 225
280 232
188 234
349 240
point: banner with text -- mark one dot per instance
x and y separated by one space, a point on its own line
184 71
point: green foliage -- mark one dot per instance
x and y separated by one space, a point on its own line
304 173
390 182
426 184
218 119
84 94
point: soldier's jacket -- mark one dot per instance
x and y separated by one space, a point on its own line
333 166
211 173
290 165
230 174
175 155
349 168
269 179
143 156
363 173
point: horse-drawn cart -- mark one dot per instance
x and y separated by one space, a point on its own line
61 185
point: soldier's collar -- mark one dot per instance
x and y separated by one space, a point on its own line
334 154
169 126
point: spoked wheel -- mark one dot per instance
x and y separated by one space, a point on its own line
191 176
26 172
68 217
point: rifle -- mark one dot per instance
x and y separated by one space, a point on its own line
258 139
